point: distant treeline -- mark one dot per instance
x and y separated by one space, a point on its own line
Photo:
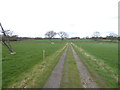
62 35
16 38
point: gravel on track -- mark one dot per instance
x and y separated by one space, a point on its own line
54 81
87 80
56 75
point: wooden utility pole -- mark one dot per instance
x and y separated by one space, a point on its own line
6 41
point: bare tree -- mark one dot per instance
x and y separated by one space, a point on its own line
63 35
112 36
96 35
9 32
50 34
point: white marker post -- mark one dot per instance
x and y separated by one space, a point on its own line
43 54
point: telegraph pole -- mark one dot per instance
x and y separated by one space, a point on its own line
6 41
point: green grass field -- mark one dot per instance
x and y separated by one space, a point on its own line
101 58
28 66
28 54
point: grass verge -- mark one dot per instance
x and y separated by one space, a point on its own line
105 75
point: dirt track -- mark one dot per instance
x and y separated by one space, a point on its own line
56 76
87 81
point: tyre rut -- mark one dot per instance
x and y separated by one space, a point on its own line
56 75
87 80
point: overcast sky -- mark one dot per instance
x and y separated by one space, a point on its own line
81 18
